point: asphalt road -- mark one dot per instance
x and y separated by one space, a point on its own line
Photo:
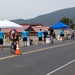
44 59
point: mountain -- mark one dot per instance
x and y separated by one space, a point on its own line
50 18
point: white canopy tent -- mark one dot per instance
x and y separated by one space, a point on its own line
9 24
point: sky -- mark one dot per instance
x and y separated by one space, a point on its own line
27 9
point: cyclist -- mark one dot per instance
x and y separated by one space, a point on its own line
51 34
13 38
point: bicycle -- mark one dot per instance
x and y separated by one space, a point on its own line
13 47
51 39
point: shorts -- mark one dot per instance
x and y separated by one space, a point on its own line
24 39
40 38
1 41
61 35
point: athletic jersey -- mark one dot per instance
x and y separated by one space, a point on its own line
12 34
51 30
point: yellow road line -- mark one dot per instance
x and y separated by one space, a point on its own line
7 57
47 48
36 50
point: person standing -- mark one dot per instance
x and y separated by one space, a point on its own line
25 36
62 34
45 33
40 34
1 39
72 34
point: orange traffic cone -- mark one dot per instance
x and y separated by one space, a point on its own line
17 52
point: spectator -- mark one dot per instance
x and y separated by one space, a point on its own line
62 34
40 34
72 34
25 36
1 39
45 33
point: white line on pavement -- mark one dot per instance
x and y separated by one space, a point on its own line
60 67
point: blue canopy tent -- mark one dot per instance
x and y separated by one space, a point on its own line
60 25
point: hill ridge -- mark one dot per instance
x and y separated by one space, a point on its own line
50 18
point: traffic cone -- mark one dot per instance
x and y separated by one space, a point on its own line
17 52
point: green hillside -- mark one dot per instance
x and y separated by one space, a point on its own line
50 18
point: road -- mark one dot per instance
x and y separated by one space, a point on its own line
44 59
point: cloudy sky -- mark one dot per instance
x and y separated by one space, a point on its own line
26 9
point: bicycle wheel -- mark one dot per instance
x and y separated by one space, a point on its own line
12 48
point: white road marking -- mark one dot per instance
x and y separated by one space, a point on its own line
42 49
61 67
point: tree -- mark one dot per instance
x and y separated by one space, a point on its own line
67 21
73 26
